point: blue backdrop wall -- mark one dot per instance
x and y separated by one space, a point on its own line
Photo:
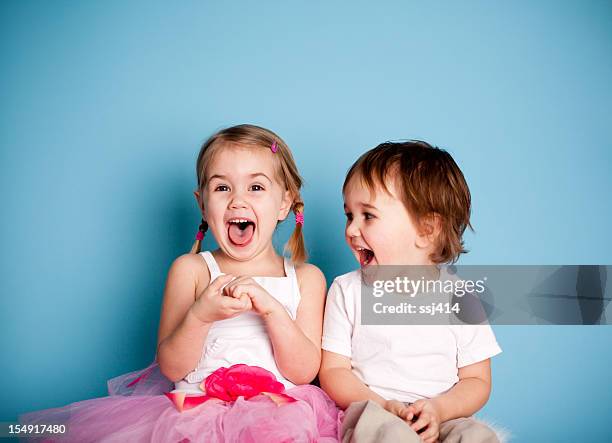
104 106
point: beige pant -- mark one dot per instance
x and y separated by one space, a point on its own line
368 422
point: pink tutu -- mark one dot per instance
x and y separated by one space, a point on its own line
138 411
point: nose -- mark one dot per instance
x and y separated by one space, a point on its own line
237 201
352 228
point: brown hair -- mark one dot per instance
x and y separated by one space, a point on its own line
285 167
428 181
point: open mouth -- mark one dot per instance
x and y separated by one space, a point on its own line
240 231
365 256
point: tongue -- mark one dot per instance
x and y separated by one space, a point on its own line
365 257
240 236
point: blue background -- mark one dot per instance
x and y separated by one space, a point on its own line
104 106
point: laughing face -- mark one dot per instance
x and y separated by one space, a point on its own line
243 200
379 229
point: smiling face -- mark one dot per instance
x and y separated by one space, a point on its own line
379 229
243 200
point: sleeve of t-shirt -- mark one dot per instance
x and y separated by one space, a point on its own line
475 343
337 325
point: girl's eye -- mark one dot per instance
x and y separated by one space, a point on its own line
349 216
257 188
368 216
222 188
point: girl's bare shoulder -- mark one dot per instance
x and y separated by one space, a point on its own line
191 266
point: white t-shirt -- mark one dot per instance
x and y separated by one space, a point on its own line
401 362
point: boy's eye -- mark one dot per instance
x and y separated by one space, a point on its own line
349 216
368 216
222 188
257 188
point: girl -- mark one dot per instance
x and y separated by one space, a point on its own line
240 327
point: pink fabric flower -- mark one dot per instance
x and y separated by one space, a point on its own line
227 384
240 381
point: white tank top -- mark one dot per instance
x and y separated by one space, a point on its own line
243 339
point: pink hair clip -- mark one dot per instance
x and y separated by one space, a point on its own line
199 235
274 148
299 218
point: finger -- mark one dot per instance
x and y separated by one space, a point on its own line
394 409
411 413
231 292
390 406
402 412
218 282
421 423
243 301
431 433
232 303
238 290
418 406
249 290
228 290
246 302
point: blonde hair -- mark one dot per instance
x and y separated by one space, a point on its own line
285 168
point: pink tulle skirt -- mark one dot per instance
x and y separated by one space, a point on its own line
139 412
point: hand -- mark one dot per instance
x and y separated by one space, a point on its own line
212 305
397 408
263 303
427 423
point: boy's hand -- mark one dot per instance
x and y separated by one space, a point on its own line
397 408
427 423
211 305
263 303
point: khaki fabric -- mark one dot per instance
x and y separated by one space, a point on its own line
368 422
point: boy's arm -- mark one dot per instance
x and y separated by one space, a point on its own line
341 384
336 375
468 395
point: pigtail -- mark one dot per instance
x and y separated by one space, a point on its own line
197 245
295 245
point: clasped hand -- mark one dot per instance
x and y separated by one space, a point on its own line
422 416
226 297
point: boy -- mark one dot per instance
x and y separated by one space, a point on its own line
406 204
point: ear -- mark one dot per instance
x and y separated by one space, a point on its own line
285 207
429 230
200 203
